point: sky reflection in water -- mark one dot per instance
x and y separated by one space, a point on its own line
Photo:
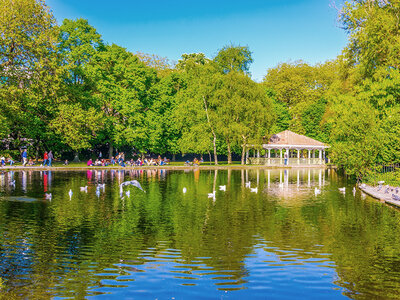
283 242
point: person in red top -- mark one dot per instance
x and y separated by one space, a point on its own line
45 158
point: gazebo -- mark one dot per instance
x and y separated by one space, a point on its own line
289 148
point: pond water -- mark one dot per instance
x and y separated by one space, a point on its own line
283 242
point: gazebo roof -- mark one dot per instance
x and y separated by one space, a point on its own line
290 139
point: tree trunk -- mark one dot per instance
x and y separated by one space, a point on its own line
37 152
229 152
76 158
212 131
173 157
110 150
243 153
215 150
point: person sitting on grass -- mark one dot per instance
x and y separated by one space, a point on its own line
10 160
90 162
195 161
66 162
30 162
3 161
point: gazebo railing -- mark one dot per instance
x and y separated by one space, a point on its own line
281 161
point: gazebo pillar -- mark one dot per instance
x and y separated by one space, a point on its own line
309 156
320 156
269 153
258 153
288 155
298 156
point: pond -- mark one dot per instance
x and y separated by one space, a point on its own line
286 240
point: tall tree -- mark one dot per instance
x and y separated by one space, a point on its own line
243 111
374 31
28 68
234 58
122 90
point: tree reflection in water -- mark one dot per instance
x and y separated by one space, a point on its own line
284 240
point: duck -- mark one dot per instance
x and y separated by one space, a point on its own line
248 184
84 189
70 194
47 196
222 188
343 190
254 190
184 190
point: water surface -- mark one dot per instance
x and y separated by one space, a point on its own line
283 242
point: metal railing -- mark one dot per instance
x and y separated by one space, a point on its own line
388 173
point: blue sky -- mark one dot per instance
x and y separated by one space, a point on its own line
275 30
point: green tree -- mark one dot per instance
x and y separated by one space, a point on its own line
234 58
243 111
122 91
299 85
356 135
196 111
29 72
373 28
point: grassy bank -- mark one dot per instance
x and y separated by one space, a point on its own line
391 178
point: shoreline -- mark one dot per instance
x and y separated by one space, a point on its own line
166 167
380 195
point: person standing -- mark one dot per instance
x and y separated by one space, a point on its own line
24 157
45 158
50 158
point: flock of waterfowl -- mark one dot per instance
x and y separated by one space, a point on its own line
101 187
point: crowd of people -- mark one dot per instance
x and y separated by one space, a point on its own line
48 159
120 160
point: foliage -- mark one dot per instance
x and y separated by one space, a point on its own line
234 58
122 91
357 135
64 88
